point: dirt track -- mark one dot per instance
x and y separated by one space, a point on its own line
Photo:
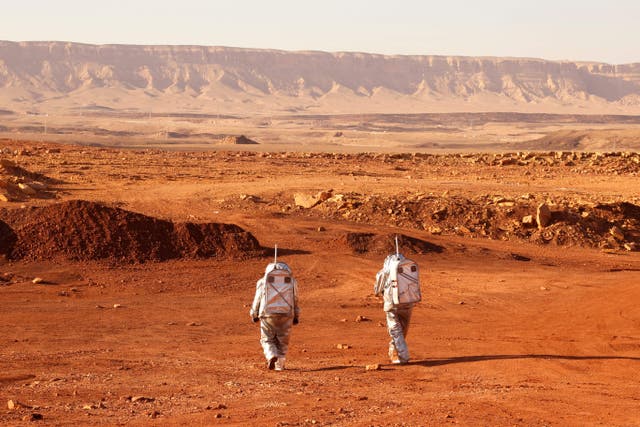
510 333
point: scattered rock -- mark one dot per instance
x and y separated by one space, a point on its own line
117 305
543 215
362 319
216 406
38 281
617 233
321 228
249 197
142 399
27 189
343 346
631 246
194 324
527 220
4 197
373 367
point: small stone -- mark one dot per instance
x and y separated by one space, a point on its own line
38 280
362 319
373 367
631 246
527 220
87 407
343 346
4 197
544 288
11 405
154 414
117 305
461 303
321 228
219 415
194 324
435 230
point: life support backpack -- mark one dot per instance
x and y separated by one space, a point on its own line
403 280
279 289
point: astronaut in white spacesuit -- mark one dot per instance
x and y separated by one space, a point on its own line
275 305
398 283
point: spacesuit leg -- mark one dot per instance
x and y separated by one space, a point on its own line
268 338
274 335
398 325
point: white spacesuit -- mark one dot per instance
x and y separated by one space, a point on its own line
276 306
396 307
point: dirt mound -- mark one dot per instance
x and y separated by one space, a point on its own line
81 230
361 243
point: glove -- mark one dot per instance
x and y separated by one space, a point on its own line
255 319
296 320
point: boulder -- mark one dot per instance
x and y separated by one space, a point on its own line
543 215
306 201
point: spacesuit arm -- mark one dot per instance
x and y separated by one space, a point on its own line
381 280
257 299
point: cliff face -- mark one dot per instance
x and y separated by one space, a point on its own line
207 79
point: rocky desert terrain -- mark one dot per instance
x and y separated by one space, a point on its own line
127 273
143 188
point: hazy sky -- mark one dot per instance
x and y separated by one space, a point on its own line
602 30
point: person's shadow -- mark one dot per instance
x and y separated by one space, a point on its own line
468 359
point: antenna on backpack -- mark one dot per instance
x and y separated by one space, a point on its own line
397 249
275 258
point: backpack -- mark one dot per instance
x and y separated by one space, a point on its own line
279 289
403 280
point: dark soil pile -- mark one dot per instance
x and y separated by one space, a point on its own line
361 243
81 230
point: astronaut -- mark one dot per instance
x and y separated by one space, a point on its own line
275 305
398 282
